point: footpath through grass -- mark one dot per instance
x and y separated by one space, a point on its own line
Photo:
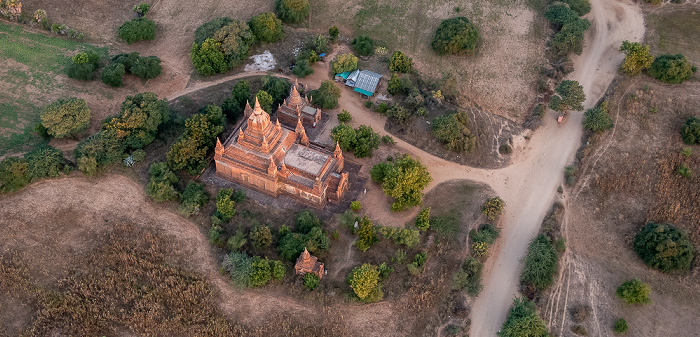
32 74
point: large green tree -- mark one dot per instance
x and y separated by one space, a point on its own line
364 280
44 161
597 119
343 63
266 27
363 45
523 321
139 119
637 57
292 11
664 247
690 132
404 179
65 117
233 106
137 30
326 96
400 62
451 129
569 96
455 36
540 263
671 69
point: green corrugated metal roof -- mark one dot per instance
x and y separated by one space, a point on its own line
344 75
364 92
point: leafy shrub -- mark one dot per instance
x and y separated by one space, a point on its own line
388 140
451 129
620 326
113 74
423 219
416 267
637 57
44 161
671 69
569 96
326 96
396 86
523 321
233 106
363 45
367 235
540 263
225 43
343 63
634 292
400 62
404 180
333 32
492 208
400 114
581 7
161 184
208 29
597 119
65 117
266 27
237 242
684 171
302 68
292 11
364 281
137 30
690 132
189 152
262 272
278 271
99 150
469 277
261 236
13 174
146 67
311 281
193 198
139 119
240 268
486 234
664 247
355 205
344 117
84 65
307 234
570 175
455 36
225 206
277 87
142 9
401 236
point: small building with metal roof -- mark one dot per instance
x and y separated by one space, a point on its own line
366 82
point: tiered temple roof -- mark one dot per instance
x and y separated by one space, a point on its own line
307 263
296 107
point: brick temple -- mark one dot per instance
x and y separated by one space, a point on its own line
276 159
296 107
307 263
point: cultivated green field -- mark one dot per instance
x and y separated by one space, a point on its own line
32 75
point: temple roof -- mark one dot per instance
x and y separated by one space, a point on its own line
305 159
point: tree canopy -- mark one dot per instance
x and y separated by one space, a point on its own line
637 57
361 141
451 129
570 96
664 247
581 7
266 27
65 117
403 179
344 62
139 119
455 36
671 69
326 96
523 321
137 30
363 45
597 119
225 43
540 263
690 132
634 292
364 280
400 62
84 65
292 11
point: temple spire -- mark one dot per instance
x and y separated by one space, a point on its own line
257 110
304 138
299 127
338 152
272 168
294 97
219 147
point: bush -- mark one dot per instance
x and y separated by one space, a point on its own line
388 140
142 9
469 277
597 119
570 38
193 198
396 86
423 219
302 68
13 174
404 180
261 236
637 57
671 69
326 96
262 272
208 29
581 7
240 269
400 114
634 292
333 32
266 27
233 106
367 235
225 206
237 242
344 117
137 30
664 247
292 11
343 63
401 236
455 36
99 150
311 281
208 58
540 263
65 117
363 45
113 74
492 208
161 185
620 326
451 129
146 67
139 119
277 87
400 62
278 270
523 321
485 234
505 149
690 132
364 280
44 161
570 96
84 65
307 234
355 206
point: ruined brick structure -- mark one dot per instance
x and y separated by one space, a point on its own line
307 263
296 107
275 159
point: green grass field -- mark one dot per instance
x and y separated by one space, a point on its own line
33 75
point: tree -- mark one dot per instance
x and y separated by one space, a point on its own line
146 67
225 206
367 235
161 183
265 101
492 208
400 62
261 236
13 174
345 136
404 180
664 247
581 7
266 27
634 292
262 272
570 38
206 125
326 96
188 154
292 11
208 29
344 62
364 280
137 30
366 140
671 69
236 39
113 74
570 96
559 14
65 117
277 87
208 58
311 281
139 119
597 119
193 198
292 244
320 44
540 263
451 129
234 105
344 117
523 321
363 45
396 85
620 326
141 9
84 65
423 219
302 68
637 57
455 36
44 161
400 114
690 132
99 150
333 32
